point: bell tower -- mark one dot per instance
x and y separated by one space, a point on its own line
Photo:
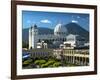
33 37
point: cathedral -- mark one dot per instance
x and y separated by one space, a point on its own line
59 37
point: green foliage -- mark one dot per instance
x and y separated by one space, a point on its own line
27 62
50 62
70 64
50 65
57 64
44 65
42 62
39 62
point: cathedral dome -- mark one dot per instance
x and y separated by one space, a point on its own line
59 29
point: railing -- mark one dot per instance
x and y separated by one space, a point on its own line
75 56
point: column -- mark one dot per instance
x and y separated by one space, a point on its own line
73 57
85 61
79 60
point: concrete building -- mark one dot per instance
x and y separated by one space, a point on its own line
42 44
74 56
57 39
73 41
59 35
41 53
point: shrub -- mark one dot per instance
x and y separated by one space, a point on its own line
27 62
50 62
44 65
56 64
42 62
39 62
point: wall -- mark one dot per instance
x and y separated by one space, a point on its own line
5 37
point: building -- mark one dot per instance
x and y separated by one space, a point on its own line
59 38
73 41
66 47
41 53
59 35
75 56
42 44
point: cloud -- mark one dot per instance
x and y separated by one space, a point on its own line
74 21
45 21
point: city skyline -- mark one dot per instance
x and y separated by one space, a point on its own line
51 19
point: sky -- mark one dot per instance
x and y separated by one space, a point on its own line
51 19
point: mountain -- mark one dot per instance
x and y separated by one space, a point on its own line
74 28
25 35
42 30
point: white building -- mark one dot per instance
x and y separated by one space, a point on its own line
60 33
42 44
74 41
58 37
